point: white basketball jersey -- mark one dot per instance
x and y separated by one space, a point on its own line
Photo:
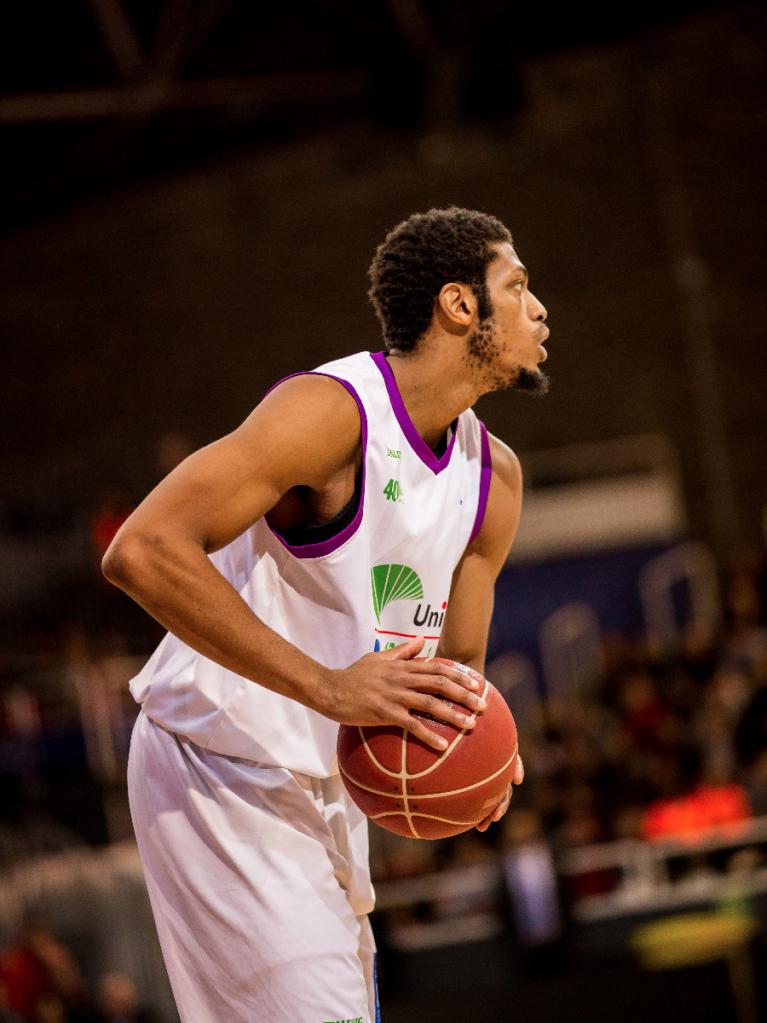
384 577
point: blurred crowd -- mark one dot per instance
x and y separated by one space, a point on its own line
40 982
663 745
664 742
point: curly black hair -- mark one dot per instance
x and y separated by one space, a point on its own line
422 254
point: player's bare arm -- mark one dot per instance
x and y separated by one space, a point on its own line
470 608
302 443
467 622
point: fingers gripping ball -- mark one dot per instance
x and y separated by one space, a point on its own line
411 789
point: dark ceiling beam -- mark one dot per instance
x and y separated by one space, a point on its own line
119 38
257 90
170 37
207 16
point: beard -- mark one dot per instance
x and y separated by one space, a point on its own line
483 353
532 381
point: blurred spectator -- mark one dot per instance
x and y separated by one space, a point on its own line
751 730
468 850
745 640
51 1009
7 1015
723 703
24 972
643 712
756 782
531 887
118 1002
396 858
42 980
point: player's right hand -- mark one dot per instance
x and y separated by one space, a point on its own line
384 688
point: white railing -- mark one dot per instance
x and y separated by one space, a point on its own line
643 880
464 900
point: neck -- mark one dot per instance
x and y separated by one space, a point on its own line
435 386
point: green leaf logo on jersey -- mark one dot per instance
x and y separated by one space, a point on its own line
393 582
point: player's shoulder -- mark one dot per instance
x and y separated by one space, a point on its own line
307 421
313 397
308 384
331 388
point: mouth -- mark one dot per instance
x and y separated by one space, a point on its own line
544 336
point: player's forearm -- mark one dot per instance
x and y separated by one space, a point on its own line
472 659
464 637
177 584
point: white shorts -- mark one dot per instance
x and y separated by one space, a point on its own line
259 885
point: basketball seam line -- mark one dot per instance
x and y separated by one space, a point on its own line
426 817
430 795
421 774
405 803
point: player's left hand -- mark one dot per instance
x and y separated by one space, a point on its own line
503 806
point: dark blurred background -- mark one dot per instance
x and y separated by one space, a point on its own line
193 190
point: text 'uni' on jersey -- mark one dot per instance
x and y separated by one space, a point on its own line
382 578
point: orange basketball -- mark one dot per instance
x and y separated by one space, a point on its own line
414 790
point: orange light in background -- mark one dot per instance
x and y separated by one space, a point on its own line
722 808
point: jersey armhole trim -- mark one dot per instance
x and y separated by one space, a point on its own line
485 475
325 547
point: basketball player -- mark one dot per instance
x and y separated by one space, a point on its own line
357 519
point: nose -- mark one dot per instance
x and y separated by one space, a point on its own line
541 313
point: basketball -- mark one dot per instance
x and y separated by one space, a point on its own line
411 789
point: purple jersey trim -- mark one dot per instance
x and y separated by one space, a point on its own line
319 550
416 441
485 475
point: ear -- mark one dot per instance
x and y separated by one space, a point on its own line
456 302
